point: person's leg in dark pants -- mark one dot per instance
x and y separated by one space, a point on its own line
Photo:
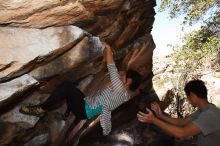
66 90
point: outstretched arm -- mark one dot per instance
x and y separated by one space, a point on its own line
184 132
108 54
175 121
117 84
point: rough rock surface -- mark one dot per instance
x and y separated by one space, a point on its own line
87 50
42 13
15 87
23 49
55 40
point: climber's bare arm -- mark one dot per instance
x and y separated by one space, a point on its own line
108 54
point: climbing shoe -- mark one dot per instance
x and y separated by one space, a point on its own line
34 110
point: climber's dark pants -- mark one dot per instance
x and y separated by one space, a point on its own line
74 98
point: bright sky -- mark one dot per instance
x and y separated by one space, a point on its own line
166 31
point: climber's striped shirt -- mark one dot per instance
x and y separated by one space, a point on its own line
110 98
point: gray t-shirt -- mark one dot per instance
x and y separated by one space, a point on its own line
208 120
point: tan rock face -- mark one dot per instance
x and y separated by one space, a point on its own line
43 13
21 49
139 56
85 51
16 86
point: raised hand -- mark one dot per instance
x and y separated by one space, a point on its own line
108 54
156 108
106 47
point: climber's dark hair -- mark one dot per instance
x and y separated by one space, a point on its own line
136 79
197 87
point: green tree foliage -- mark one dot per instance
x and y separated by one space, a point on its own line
200 47
198 55
194 10
200 51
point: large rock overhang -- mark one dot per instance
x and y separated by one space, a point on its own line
45 42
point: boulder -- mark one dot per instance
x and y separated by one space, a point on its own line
86 51
14 88
41 14
22 49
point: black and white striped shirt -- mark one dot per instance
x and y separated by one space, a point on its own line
110 98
